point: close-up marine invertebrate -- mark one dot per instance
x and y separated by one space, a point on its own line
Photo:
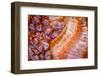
57 37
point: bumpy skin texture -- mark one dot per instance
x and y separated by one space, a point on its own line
46 33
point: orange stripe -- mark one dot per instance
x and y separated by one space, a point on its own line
64 51
58 38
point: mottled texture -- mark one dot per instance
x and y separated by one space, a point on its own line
46 33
